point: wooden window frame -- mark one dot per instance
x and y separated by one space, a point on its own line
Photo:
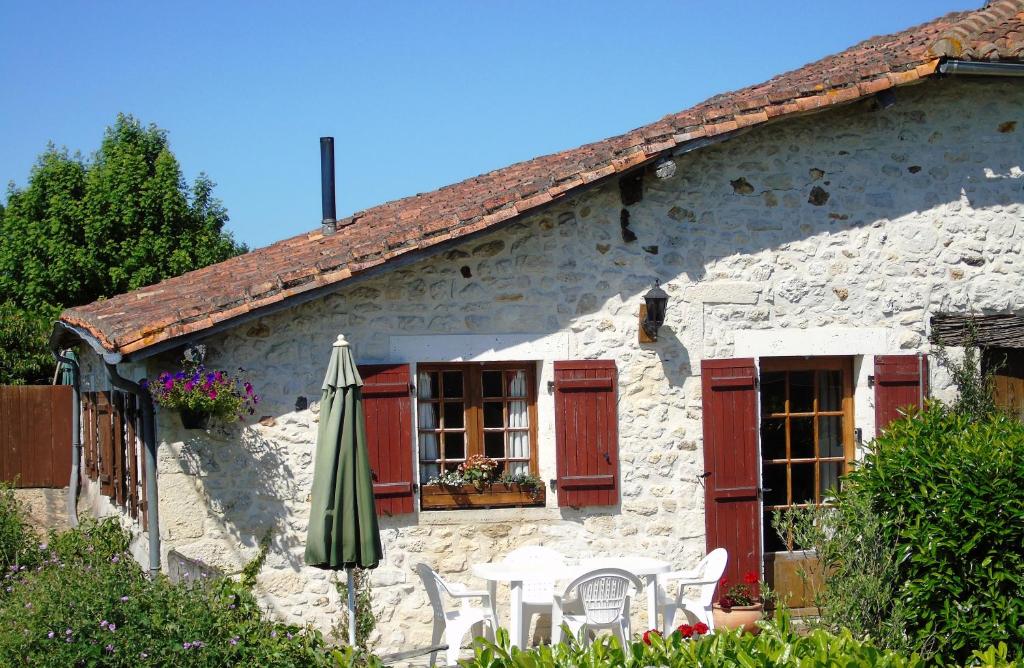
473 421
846 411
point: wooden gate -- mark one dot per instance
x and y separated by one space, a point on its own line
35 435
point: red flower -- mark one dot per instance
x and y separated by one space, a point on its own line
726 602
648 634
685 630
700 628
750 578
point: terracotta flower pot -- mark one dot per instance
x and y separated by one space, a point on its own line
738 617
191 419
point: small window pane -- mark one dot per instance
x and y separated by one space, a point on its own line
427 385
428 446
801 437
773 392
454 416
494 415
801 391
427 413
830 436
518 417
517 384
773 479
494 444
428 471
454 445
830 390
829 481
453 384
803 483
773 438
492 383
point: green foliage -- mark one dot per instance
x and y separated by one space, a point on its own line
88 603
947 487
855 566
83 230
778 645
17 541
255 565
924 547
366 621
975 386
24 357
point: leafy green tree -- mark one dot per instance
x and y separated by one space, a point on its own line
82 230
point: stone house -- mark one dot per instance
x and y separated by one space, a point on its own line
806 230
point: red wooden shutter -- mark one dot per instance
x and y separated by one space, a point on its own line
732 506
586 433
388 409
900 381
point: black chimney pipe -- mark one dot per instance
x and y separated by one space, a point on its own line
330 223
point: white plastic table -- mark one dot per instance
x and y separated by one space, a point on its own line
516 574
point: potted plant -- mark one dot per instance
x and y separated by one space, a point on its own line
479 471
476 484
199 393
739 605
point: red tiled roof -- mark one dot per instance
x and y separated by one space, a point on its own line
198 300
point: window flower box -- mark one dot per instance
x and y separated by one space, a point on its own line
493 495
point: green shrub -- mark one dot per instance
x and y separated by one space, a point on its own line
777 646
88 603
17 540
947 486
851 578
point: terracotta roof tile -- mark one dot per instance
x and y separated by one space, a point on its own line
189 304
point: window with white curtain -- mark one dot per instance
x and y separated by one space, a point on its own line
466 409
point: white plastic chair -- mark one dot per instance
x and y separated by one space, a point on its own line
456 621
705 576
537 594
604 597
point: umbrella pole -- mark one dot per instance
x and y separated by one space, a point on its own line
351 607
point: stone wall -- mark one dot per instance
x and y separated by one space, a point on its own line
838 233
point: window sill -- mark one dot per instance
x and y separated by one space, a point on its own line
498 495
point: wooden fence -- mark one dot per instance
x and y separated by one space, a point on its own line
35 435
113 451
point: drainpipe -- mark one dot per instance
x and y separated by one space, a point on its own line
982 68
76 436
149 442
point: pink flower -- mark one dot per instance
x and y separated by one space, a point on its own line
213 394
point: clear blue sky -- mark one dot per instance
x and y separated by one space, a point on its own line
418 94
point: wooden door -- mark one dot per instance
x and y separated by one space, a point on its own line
731 508
807 442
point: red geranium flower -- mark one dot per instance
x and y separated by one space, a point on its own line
648 634
750 578
685 630
700 628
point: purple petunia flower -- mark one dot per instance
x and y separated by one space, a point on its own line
187 645
124 599
115 559
143 655
112 628
234 641
104 624
67 632
50 635
109 648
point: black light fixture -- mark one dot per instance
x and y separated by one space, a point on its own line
653 315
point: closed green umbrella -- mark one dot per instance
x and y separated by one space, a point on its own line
343 530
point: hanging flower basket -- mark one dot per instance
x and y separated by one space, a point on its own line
199 393
193 419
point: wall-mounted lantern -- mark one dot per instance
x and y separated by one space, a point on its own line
652 313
